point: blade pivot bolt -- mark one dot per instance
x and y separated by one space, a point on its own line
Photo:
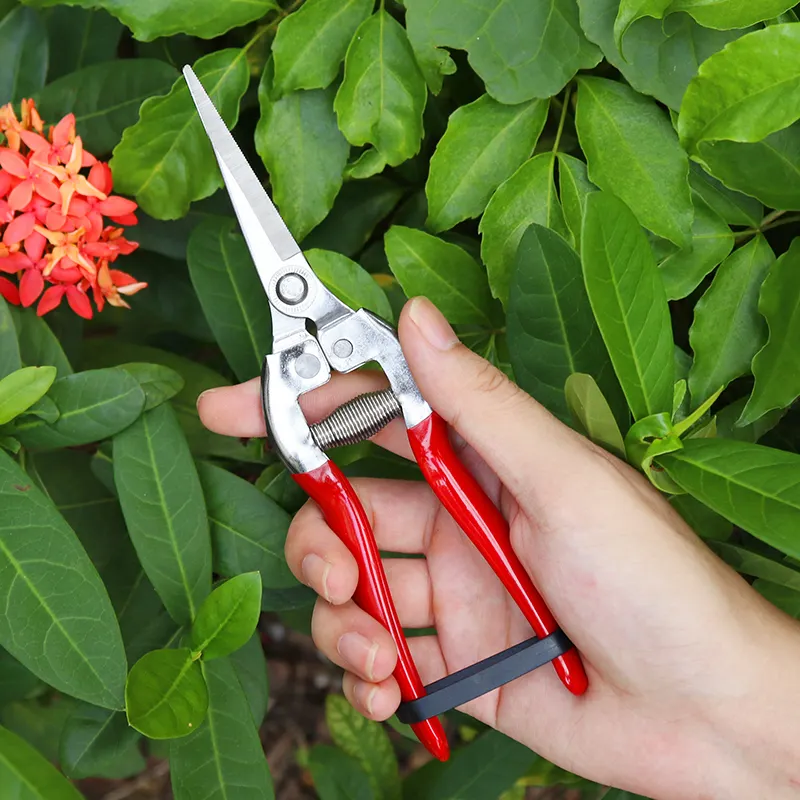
343 348
307 365
292 289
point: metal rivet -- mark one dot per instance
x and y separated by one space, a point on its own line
292 289
306 365
343 348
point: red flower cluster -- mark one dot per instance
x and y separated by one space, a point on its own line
53 196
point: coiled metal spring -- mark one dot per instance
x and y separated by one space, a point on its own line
356 420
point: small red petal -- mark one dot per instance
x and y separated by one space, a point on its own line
55 220
88 160
50 300
6 214
21 195
34 245
19 228
35 142
100 177
63 131
5 183
116 206
47 189
64 274
14 262
126 219
121 278
94 229
9 291
13 163
30 286
79 206
98 250
79 302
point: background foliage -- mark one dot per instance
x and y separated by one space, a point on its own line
600 195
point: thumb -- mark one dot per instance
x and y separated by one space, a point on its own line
518 438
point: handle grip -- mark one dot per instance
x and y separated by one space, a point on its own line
486 527
343 512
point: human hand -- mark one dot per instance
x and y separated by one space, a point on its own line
688 667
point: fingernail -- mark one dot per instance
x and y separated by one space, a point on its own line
432 324
365 695
357 650
315 573
205 394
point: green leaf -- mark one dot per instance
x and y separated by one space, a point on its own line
365 741
776 366
248 529
228 617
383 94
224 758
768 170
485 142
21 389
9 346
551 329
166 159
27 775
629 304
159 383
735 208
93 405
632 10
166 695
16 682
38 345
728 416
23 43
336 775
727 14
728 330
369 163
703 521
745 483
573 186
787 600
105 97
230 292
749 562
163 505
46 580
44 408
349 282
486 767
712 240
528 196
304 152
632 151
311 43
251 671
79 37
446 274
93 739
520 49
593 413
726 102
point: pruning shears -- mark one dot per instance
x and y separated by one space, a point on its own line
344 340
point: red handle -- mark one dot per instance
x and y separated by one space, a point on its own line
339 503
486 527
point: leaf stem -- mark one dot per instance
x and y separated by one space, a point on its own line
767 224
270 26
564 107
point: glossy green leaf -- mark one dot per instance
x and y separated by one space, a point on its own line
21 389
485 142
349 282
383 94
228 617
163 505
27 775
632 10
250 666
528 196
304 151
23 43
703 521
93 739
38 345
93 405
443 272
551 328
224 758
733 207
593 413
749 562
145 623
573 186
311 43
520 49
367 742
776 366
9 345
166 159
46 580
336 775
166 695
230 292
159 383
79 37
712 240
728 330
728 417
369 163
629 304
727 102
248 529
768 170
746 483
632 151
16 682
105 97
727 14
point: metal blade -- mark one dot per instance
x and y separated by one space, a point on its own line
266 233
